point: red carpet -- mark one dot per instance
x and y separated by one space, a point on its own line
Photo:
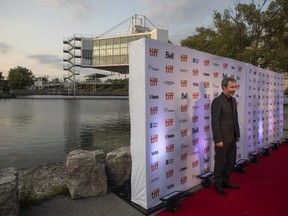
263 192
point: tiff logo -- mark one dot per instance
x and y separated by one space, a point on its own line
195 95
206 84
184 108
153 52
169 95
169 68
154 166
153 110
184 133
195 72
183 83
206 62
183 156
183 58
155 193
169 122
154 138
170 148
195 118
183 180
169 173
153 81
215 74
195 163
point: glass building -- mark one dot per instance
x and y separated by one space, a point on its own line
108 52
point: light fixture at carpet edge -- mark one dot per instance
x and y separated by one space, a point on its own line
275 145
265 150
239 166
254 156
206 178
172 199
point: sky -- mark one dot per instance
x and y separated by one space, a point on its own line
32 31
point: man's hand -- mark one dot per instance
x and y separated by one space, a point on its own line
219 144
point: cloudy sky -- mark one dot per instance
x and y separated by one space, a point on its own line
32 31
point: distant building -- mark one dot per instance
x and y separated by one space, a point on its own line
108 52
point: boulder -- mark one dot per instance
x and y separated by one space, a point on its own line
86 173
9 201
119 164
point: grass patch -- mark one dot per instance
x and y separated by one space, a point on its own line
28 197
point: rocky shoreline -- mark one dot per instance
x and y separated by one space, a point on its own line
43 178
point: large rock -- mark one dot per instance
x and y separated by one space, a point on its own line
86 174
119 163
9 202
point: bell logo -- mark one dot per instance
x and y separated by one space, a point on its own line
154 166
153 52
195 130
225 65
183 83
169 122
206 160
215 74
206 62
239 69
183 58
154 138
184 95
153 110
169 68
195 72
184 108
155 193
169 55
153 81
169 95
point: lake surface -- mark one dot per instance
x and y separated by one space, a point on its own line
38 131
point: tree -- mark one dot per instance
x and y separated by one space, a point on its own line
1 77
253 33
20 78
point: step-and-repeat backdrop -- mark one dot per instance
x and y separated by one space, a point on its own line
170 93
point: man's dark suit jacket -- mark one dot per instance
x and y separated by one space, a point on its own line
225 125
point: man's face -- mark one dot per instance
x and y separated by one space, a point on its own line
230 89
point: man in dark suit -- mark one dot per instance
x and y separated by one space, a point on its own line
226 133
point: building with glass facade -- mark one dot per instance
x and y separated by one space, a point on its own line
108 52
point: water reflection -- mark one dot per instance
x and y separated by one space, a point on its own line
70 125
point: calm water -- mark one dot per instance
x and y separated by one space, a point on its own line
37 131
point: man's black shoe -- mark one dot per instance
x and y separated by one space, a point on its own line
229 185
220 191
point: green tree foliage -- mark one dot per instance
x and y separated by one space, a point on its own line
255 33
20 78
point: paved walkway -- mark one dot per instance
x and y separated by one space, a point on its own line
107 205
